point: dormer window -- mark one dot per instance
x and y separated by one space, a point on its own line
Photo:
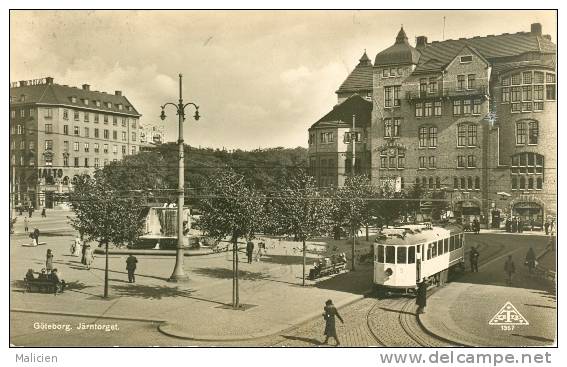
108 105
129 108
74 99
86 101
466 59
97 103
120 106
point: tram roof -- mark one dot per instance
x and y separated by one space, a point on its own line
414 234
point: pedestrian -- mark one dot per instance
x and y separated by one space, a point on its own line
520 225
43 215
421 297
514 226
249 251
30 211
131 262
476 226
329 313
473 257
508 225
57 279
510 269
35 236
530 260
546 225
261 246
49 260
88 257
26 223
552 228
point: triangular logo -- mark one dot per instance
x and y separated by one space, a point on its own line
508 315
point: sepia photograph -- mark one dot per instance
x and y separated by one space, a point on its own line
282 178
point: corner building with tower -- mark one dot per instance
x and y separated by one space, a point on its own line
473 117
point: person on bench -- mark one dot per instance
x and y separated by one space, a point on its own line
29 275
58 281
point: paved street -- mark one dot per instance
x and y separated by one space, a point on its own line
282 312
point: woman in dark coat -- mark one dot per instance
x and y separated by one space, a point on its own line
329 315
421 299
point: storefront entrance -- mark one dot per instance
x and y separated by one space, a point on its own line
530 213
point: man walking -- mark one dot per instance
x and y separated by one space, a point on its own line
530 260
473 257
510 269
26 223
131 262
249 251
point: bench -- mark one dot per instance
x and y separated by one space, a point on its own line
47 285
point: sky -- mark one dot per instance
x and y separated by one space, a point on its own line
260 78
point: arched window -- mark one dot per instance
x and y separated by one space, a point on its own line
530 183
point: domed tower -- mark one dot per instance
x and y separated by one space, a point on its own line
392 67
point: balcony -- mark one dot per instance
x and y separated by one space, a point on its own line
480 91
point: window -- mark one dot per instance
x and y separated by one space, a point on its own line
87 116
114 120
49 145
13 114
527 93
22 113
31 145
390 254
432 162
428 111
48 113
65 146
533 132
123 121
48 128
96 132
516 107
65 114
380 254
538 77
76 115
419 109
124 149
76 146
114 134
411 254
539 183
327 137
65 161
86 162
20 130
396 127
472 135
387 96
387 128
397 100
461 161
526 165
422 162
22 145
423 137
86 146
96 147
476 106
520 132
437 108
106 119
124 137
76 162
516 94
401 256
432 85
460 82
105 148
96 163
538 92
471 82
422 86
527 76
133 149
385 73
383 162
470 183
550 92
96 116
432 137
106 134
471 161
505 95
115 149
516 79
133 136
467 107
466 59
433 247
457 107
86 132
463 183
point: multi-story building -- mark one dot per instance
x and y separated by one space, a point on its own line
58 132
476 118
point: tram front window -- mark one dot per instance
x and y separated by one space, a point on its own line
411 255
401 258
390 254
380 254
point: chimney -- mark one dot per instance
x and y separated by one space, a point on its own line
421 42
23 83
48 80
536 29
118 93
86 87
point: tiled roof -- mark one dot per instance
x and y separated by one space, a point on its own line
360 79
500 68
439 54
342 113
56 94
399 53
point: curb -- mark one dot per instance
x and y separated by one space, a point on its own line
76 314
164 328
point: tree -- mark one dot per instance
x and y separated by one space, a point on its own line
300 211
349 207
231 208
105 215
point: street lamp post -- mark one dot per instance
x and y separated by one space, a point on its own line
178 274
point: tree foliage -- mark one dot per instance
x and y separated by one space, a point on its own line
103 214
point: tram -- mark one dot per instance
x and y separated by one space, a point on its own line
405 255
